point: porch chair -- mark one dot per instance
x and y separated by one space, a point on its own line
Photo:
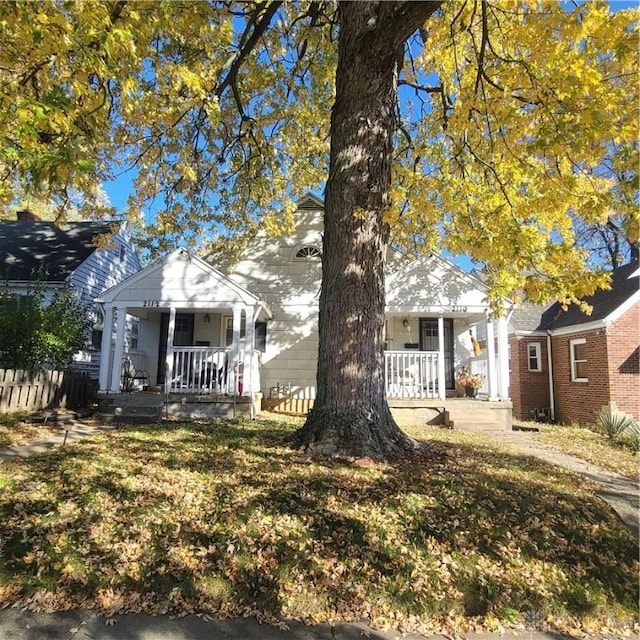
130 374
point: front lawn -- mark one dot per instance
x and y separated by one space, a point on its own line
592 446
15 429
226 519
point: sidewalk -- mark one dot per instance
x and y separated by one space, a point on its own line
621 493
67 433
84 625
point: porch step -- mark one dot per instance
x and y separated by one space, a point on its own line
478 416
131 408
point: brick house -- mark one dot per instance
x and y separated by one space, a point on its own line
567 365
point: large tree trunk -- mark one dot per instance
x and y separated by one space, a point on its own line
351 415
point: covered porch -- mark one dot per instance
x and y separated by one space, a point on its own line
438 324
195 332
429 353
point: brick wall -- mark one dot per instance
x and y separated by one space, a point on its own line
528 389
623 338
580 402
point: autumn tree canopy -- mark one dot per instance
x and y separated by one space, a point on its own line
479 127
508 111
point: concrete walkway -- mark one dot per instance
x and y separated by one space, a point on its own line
622 493
84 625
67 433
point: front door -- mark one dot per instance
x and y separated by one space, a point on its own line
429 341
182 337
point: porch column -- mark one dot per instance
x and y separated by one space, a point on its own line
105 350
234 356
118 351
249 345
168 364
503 358
442 383
491 361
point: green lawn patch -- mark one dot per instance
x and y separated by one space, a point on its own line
592 446
224 518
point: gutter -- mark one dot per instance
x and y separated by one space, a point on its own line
552 400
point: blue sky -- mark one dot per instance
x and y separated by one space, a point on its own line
119 189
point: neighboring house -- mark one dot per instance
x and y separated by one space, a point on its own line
567 365
252 329
89 257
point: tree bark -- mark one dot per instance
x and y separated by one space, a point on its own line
351 415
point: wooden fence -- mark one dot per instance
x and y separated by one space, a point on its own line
24 391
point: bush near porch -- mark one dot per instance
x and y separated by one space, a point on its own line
223 518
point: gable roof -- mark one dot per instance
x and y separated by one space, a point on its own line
625 287
41 250
182 278
310 201
528 316
433 282
606 304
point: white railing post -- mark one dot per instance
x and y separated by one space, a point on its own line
442 384
118 352
168 365
247 369
106 351
503 358
491 361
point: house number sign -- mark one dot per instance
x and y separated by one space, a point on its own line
151 303
458 309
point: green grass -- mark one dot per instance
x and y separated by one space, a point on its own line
224 518
591 445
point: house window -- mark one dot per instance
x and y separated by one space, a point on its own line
578 353
533 356
228 331
122 253
307 252
261 336
133 336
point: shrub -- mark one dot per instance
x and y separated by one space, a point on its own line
35 335
631 435
619 427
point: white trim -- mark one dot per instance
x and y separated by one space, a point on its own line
534 333
573 361
579 328
537 356
110 294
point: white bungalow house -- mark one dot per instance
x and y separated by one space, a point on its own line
252 330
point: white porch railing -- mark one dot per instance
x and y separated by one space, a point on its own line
201 370
411 374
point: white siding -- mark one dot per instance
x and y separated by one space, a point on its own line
105 268
291 288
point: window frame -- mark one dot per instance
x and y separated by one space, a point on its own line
575 361
537 356
311 252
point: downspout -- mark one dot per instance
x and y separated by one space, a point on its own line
552 400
